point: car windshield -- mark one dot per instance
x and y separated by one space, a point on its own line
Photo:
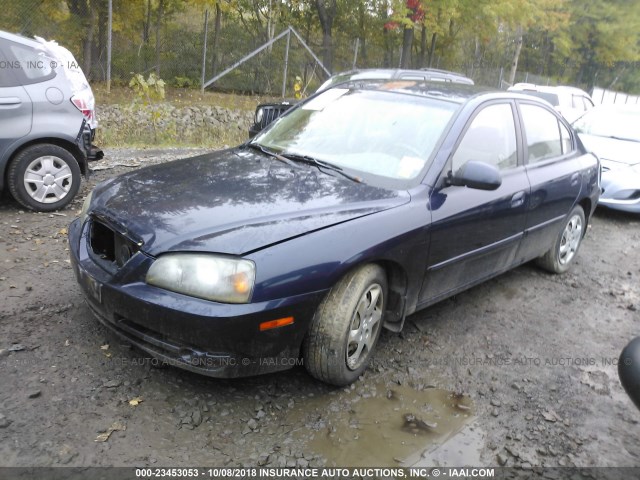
382 133
610 122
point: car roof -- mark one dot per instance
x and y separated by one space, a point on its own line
391 73
13 37
448 91
620 107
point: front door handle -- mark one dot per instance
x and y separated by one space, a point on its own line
518 199
10 101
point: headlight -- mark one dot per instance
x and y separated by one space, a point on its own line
259 115
85 207
212 277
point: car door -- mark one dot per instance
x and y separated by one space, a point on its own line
476 233
15 104
552 163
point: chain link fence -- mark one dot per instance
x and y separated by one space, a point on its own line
168 38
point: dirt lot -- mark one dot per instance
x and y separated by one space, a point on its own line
519 371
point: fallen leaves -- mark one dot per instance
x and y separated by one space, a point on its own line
104 349
115 427
134 402
551 416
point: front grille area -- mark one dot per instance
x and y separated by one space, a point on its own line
111 248
271 113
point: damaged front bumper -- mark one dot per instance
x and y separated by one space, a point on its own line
89 151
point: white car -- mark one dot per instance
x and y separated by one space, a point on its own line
83 97
570 102
612 133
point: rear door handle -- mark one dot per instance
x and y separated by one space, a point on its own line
575 179
517 200
9 101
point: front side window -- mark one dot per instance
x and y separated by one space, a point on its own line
543 133
491 138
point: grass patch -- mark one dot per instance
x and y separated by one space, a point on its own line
128 135
180 97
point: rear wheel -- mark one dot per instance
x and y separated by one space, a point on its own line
560 256
44 177
346 327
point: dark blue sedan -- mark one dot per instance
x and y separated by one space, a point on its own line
360 206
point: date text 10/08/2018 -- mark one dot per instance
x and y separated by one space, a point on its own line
273 472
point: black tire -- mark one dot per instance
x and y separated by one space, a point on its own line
54 160
560 256
329 354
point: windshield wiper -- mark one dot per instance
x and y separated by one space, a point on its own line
271 153
320 164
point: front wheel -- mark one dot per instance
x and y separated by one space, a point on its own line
559 257
345 329
44 177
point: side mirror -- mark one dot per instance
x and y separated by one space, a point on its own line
475 174
629 370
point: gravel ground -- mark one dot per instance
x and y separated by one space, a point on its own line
519 371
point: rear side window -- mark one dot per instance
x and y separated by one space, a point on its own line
543 133
32 66
567 144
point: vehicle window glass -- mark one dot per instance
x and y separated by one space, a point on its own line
543 134
35 65
577 102
7 79
491 138
379 133
567 144
565 101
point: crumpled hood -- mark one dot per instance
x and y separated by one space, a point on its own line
234 201
622 152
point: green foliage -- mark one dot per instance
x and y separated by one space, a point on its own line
573 41
147 90
183 82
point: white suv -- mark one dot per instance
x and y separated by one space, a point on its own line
570 102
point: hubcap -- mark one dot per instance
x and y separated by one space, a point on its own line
48 179
364 326
570 240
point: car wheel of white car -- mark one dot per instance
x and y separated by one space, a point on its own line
44 177
345 329
559 258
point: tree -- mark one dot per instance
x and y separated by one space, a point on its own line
327 10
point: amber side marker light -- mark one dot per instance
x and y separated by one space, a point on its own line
280 322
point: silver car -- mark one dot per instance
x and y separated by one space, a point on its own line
47 121
612 132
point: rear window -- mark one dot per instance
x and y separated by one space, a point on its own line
33 65
552 98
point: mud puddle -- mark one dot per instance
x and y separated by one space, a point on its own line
384 424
